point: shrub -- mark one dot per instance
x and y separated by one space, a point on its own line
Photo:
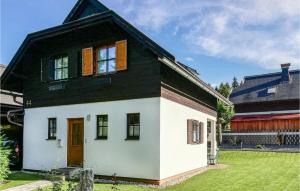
4 160
114 182
59 184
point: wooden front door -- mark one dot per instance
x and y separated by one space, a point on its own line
75 142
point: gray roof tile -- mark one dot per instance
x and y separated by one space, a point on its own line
255 88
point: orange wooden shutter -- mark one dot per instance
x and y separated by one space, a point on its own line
121 55
189 131
87 61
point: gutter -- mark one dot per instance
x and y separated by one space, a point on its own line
182 71
14 94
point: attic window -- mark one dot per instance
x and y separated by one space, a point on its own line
61 67
272 90
106 59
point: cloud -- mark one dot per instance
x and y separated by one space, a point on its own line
189 59
263 32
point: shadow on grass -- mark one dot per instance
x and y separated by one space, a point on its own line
23 176
19 178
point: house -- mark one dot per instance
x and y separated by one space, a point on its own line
268 105
100 94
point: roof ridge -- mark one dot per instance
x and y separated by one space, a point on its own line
78 8
269 74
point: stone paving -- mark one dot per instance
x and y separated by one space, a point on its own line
31 186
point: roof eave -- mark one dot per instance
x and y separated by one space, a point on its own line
87 21
181 70
47 33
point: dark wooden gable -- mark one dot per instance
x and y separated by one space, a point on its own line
84 8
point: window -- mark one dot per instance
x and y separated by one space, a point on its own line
61 67
209 123
196 132
133 126
52 128
106 59
102 126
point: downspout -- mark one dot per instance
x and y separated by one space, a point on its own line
11 113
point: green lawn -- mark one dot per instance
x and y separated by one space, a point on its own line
245 171
19 178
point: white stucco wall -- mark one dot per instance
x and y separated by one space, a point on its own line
176 156
128 158
161 152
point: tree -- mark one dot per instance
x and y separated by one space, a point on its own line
225 113
235 83
224 89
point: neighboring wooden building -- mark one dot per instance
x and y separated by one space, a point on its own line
7 102
11 126
100 94
267 103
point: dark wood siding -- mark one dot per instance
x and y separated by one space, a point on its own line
267 106
173 81
144 76
187 101
140 80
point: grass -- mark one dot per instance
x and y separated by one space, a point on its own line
19 178
249 171
246 170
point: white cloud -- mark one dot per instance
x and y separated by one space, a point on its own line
264 32
189 59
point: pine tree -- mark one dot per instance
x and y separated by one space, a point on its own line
224 89
235 83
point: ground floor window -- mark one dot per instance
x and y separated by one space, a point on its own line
195 132
52 128
133 126
102 126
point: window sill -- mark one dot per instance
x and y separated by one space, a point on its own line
101 138
132 139
104 74
51 139
57 81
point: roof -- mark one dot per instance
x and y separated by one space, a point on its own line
266 117
7 99
80 18
191 70
85 8
2 69
267 87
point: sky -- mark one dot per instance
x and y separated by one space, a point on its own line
220 39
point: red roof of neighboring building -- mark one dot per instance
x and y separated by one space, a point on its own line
265 117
